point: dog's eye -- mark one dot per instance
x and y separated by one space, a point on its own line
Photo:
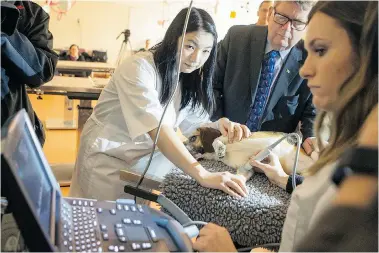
192 139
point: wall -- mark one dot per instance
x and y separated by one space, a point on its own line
96 24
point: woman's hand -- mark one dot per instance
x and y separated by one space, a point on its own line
213 238
227 182
233 130
273 170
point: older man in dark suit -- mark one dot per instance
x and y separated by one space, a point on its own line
257 79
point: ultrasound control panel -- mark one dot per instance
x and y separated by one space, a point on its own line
94 226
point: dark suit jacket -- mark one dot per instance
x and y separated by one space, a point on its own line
237 73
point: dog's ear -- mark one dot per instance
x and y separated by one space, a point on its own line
207 136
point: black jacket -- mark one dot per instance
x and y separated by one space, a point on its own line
237 73
27 58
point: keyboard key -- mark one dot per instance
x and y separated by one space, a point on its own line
105 237
82 242
136 246
94 249
65 234
103 227
126 221
90 203
79 202
70 248
70 231
65 243
88 246
133 208
81 232
146 245
152 234
100 249
115 249
91 230
140 209
87 235
119 207
137 222
77 248
85 203
93 244
83 247
82 237
121 248
95 223
118 225
122 239
119 232
76 238
98 243
77 243
74 202
93 235
99 210
126 208
75 228
93 240
112 211
111 248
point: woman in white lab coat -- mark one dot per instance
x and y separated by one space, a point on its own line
342 73
120 132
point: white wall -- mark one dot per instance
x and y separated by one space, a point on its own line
96 24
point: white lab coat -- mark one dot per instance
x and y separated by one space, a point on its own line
115 136
308 201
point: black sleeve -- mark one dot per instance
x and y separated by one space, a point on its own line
307 119
29 58
344 229
298 180
218 78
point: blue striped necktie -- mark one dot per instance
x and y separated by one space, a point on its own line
258 106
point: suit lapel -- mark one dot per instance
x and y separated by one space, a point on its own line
288 72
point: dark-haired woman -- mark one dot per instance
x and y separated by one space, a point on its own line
120 132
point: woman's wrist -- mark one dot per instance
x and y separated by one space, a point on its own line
198 172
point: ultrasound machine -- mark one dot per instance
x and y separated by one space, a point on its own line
50 222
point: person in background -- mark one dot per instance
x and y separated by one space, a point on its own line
262 12
73 54
342 72
120 132
27 58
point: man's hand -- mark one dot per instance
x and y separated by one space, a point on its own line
213 238
308 145
233 130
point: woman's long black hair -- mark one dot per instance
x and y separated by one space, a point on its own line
196 87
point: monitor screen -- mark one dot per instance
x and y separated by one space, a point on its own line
26 159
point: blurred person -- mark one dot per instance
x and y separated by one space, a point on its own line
263 11
27 58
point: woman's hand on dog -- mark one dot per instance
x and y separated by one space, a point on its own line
213 238
227 182
233 130
273 170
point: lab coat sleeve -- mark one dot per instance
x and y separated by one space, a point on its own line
194 120
136 82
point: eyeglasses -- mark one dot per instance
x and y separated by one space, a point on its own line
282 20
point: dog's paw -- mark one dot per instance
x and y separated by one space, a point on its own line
220 149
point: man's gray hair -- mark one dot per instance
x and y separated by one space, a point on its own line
304 5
